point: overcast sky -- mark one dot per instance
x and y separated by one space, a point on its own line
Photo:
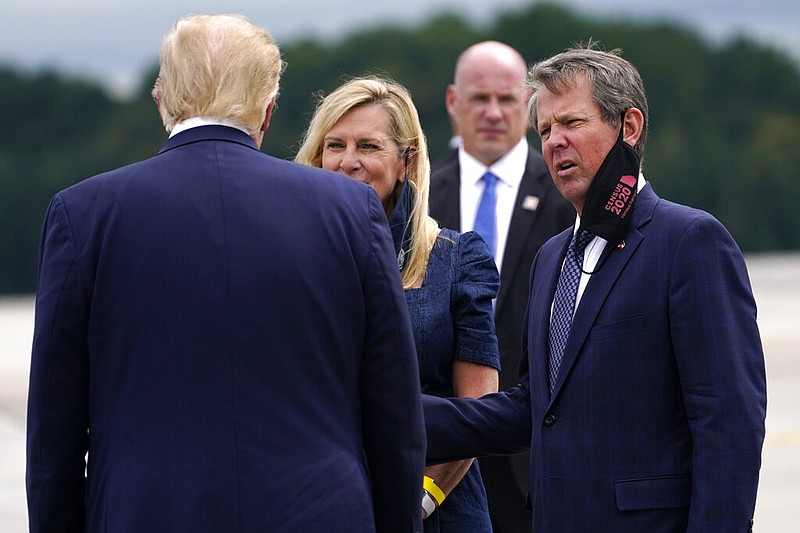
115 41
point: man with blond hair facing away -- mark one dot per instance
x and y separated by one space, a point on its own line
223 333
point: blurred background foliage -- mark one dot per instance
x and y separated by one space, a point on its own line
724 118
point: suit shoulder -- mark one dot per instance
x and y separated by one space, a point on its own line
445 166
682 216
106 179
541 183
678 225
536 167
318 179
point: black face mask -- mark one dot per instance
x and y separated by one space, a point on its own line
609 202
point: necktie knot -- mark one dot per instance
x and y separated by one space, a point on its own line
489 179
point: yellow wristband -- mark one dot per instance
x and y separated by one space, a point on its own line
433 489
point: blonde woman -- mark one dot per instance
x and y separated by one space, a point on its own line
369 130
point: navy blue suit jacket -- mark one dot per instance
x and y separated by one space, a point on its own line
656 421
226 334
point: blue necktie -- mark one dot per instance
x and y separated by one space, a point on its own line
485 224
564 302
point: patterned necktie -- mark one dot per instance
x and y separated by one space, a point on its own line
564 302
485 224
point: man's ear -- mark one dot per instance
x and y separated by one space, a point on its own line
161 113
632 126
268 115
450 101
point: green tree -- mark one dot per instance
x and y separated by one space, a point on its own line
724 119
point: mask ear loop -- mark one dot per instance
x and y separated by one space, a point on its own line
604 256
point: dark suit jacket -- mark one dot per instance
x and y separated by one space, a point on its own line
227 335
528 230
656 421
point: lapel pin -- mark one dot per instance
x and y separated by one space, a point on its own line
621 245
530 203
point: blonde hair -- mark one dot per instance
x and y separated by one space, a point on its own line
407 134
217 66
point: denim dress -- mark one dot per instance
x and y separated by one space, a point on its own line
452 319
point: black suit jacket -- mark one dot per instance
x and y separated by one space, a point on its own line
529 229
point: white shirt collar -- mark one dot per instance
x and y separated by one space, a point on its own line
508 168
195 122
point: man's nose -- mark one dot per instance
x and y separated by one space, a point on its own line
493 109
555 138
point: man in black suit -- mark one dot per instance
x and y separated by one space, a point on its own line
488 105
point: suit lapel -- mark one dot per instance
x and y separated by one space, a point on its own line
522 222
601 284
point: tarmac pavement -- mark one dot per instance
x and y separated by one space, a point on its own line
776 285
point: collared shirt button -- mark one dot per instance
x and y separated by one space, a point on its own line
549 420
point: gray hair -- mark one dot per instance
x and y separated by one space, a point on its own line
616 84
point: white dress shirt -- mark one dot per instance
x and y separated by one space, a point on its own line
509 170
194 122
